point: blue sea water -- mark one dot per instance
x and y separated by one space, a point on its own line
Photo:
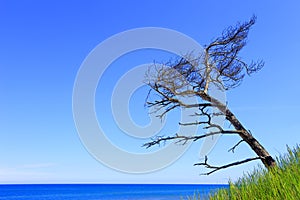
105 191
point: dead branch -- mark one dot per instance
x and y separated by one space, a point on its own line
217 168
183 139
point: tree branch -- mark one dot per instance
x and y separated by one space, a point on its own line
184 139
217 168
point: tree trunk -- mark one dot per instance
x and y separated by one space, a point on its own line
266 158
260 151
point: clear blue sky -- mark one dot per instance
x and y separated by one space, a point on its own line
43 44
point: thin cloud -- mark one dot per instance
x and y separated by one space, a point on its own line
26 173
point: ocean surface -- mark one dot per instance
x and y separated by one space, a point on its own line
105 191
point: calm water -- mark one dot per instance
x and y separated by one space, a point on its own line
104 191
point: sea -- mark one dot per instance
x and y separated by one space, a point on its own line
106 191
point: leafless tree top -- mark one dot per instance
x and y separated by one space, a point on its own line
220 64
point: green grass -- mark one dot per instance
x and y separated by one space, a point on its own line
282 182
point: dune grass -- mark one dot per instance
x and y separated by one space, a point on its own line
282 182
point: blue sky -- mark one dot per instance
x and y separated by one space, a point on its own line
43 44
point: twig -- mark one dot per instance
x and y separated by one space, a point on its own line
237 144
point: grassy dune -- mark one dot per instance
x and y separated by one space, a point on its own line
280 183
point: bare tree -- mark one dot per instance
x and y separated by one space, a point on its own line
191 76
